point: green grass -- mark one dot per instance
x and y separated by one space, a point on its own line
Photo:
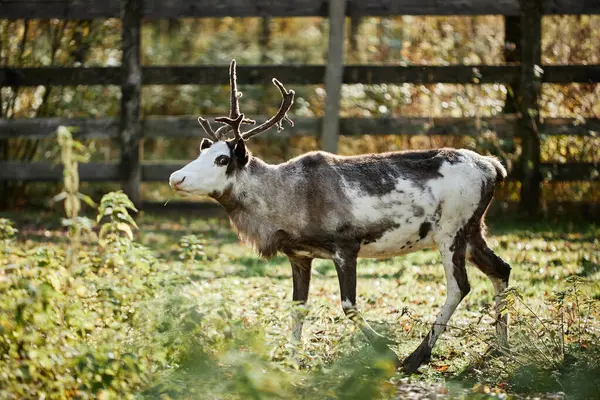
229 318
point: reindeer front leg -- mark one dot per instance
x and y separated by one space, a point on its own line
301 277
345 265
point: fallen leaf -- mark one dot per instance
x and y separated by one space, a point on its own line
441 368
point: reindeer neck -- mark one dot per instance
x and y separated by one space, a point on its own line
251 184
248 205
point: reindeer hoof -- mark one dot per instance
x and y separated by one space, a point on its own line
419 357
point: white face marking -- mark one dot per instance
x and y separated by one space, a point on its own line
204 175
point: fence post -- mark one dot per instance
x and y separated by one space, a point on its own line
528 96
130 128
334 72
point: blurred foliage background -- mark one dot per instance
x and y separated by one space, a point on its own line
397 40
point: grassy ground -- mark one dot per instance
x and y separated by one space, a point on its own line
243 303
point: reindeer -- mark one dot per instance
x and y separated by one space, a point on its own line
321 205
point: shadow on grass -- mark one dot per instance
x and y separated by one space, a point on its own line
242 370
255 266
589 268
543 229
577 375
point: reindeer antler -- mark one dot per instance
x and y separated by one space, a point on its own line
234 101
233 124
277 119
234 113
207 128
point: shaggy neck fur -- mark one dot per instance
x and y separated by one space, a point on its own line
248 207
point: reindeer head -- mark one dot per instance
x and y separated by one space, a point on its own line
220 158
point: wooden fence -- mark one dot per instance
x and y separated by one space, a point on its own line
523 72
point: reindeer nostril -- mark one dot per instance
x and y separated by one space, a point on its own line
175 185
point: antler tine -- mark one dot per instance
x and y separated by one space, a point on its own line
234 110
234 124
277 119
208 129
234 98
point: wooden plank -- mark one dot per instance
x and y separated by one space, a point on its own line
160 9
247 74
466 7
314 74
503 126
61 9
334 72
571 73
570 7
238 8
424 74
563 172
260 75
47 172
179 127
60 76
530 86
176 127
130 127
432 7
294 74
160 171
45 128
571 126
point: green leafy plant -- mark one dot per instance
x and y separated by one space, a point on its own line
7 234
116 233
115 207
191 248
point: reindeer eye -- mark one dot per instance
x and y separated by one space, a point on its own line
222 161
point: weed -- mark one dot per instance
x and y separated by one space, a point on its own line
192 248
73 152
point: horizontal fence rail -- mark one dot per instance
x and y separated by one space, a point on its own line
295 74
171 127
159 172
160 9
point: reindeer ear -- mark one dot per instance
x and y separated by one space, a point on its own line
240 152
205 144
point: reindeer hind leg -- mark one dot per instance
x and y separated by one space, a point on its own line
457 287
498 271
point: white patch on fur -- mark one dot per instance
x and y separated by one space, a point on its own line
458 192
203 176
298 315
337 258
346 304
